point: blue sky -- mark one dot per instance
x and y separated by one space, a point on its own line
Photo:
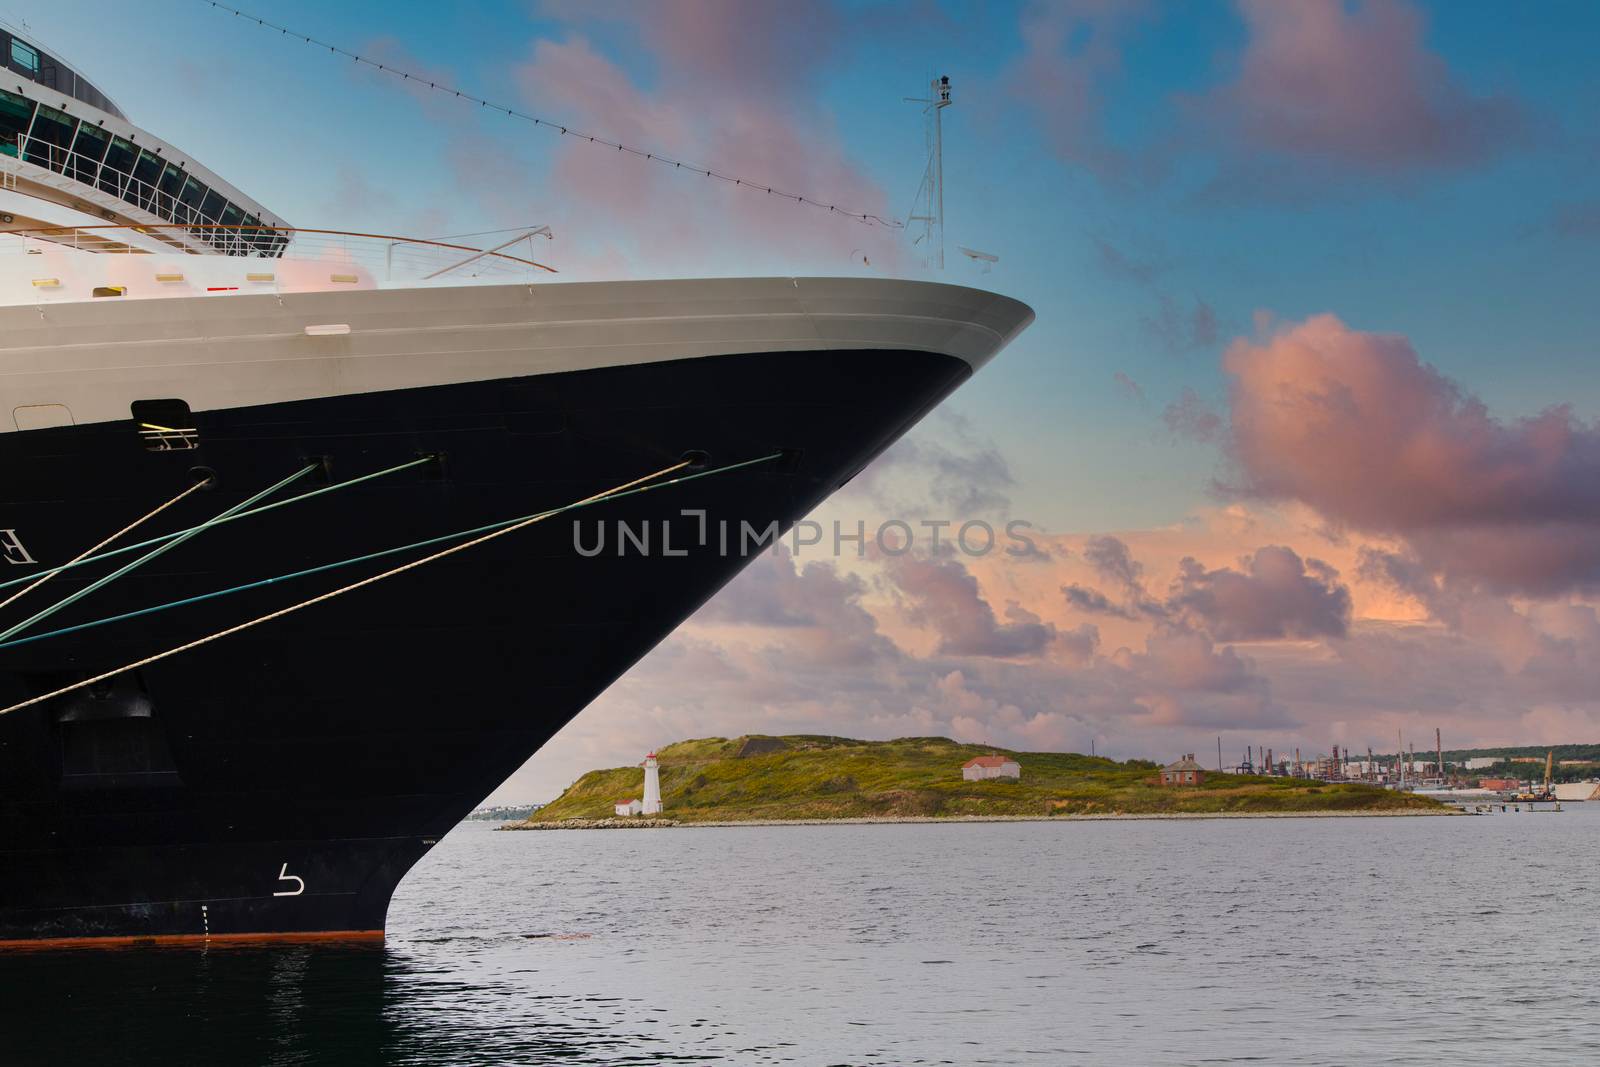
1159 181
1462 261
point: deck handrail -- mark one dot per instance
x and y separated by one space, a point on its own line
101 239
95 174
55 234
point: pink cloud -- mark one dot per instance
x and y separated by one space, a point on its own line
943 595
1355 86
944 468
1191 418
824 648
818 608
1128 387
1094 602
1356 426
1072 48
1183 680
729 91
1276 595
705 46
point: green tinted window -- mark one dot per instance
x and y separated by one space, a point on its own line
52 136
86 152
211 206
146 169
91 142
16 112
118 165
172 179
24 56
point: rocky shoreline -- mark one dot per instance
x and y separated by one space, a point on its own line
653 824
591 824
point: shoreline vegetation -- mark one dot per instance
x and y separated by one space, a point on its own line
618 823
812 780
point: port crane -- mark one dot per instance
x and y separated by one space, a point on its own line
1547 794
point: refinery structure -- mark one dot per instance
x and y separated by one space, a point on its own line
1528 778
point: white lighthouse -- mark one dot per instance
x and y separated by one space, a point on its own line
652 786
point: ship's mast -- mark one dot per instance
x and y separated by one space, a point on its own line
928 208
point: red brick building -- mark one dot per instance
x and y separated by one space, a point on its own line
1184 772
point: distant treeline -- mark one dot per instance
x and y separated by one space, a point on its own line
505 813
1563 752
1583 761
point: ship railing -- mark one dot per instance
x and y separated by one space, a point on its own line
344 257
225 220
167 439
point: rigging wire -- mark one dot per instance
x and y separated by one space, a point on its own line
86 553
323 597
163 538
864 217
154 553
383 553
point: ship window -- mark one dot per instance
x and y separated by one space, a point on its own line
211 206
118 166
86 153
16 114
258 238
189 198
170 185
24 56
231 237
146 169
52 135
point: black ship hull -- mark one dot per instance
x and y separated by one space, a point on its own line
282 781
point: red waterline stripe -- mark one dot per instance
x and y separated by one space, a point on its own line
222 288
142 940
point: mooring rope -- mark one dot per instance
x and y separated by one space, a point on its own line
152 554
86 553
125 549
368 557
324 597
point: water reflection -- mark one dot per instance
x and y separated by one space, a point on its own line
293 1004
1294 942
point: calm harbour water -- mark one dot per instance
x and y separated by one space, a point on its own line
1304 941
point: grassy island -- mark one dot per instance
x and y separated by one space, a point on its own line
758 778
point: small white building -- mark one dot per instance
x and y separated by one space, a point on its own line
981 767
1482 763
629 807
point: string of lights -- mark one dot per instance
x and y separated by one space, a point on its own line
564 130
